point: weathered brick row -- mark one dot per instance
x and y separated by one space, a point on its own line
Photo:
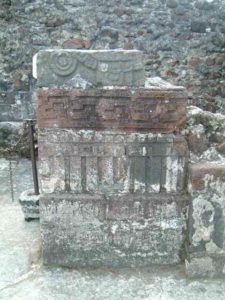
118 109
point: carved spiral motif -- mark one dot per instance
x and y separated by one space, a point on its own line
63 64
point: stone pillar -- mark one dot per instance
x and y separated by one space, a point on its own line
112 160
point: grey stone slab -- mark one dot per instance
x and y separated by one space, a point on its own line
85 68
91 231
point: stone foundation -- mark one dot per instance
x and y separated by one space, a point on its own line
118 231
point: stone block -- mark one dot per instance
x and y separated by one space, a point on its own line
197 140
85 68
200 267
91 231
17 106
111 162
205 173
144 109
30 205
198 26
206 240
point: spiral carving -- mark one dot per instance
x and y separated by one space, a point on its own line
63 64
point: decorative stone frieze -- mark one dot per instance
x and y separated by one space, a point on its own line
116 109
83 68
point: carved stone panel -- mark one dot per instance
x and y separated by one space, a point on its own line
118 109
83 68
106 162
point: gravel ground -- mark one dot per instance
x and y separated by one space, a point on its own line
22 275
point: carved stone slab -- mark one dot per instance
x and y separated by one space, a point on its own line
111 163
84 68
154 110
130 230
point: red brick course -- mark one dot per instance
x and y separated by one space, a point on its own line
118 109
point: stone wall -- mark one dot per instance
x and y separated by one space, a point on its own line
183 41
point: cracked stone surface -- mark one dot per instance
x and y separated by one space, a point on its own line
22 275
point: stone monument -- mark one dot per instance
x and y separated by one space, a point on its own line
112 160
